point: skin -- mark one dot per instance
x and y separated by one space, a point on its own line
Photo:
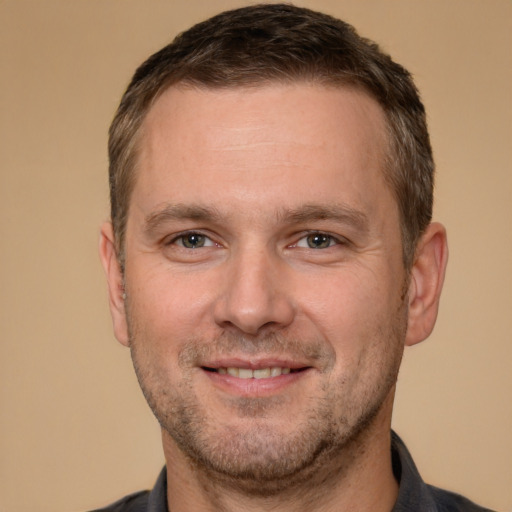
261 233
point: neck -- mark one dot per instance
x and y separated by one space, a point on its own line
359 478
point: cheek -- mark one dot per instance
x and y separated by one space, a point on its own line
167 307
353 312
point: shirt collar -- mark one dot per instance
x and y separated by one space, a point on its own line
413 493
157 501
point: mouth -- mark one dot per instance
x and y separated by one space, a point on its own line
250 379
258 373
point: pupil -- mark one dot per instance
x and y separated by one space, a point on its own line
193 240
318 241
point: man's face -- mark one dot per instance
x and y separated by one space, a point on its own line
264 274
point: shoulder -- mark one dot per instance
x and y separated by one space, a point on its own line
143 501
415 494
137 502
447 501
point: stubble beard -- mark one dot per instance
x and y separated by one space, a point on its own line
253 458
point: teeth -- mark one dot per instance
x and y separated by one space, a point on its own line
261 374
247 373
233 371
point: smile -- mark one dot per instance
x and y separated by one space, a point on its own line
248 373
261 380
256 372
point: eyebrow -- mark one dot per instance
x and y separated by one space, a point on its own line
306 213
172 212
339 213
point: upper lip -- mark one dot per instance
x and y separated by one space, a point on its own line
255 363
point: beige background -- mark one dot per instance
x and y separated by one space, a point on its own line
75 432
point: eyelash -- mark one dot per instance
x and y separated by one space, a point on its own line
330 239
182 236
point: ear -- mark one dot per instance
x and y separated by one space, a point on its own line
114 275
426 283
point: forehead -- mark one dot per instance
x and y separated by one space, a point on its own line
278 142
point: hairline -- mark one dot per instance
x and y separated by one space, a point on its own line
390 162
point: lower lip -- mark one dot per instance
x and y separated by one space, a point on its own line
255 387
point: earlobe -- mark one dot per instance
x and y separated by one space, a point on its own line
114 276
426 283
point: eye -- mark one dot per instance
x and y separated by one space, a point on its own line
193 241
317 241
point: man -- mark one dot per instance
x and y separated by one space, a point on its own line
270 254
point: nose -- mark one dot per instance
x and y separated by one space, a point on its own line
255 294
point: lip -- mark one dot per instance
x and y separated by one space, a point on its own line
256 363
253 387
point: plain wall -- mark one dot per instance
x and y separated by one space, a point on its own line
75 432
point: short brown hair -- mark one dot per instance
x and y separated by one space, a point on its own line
282 43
